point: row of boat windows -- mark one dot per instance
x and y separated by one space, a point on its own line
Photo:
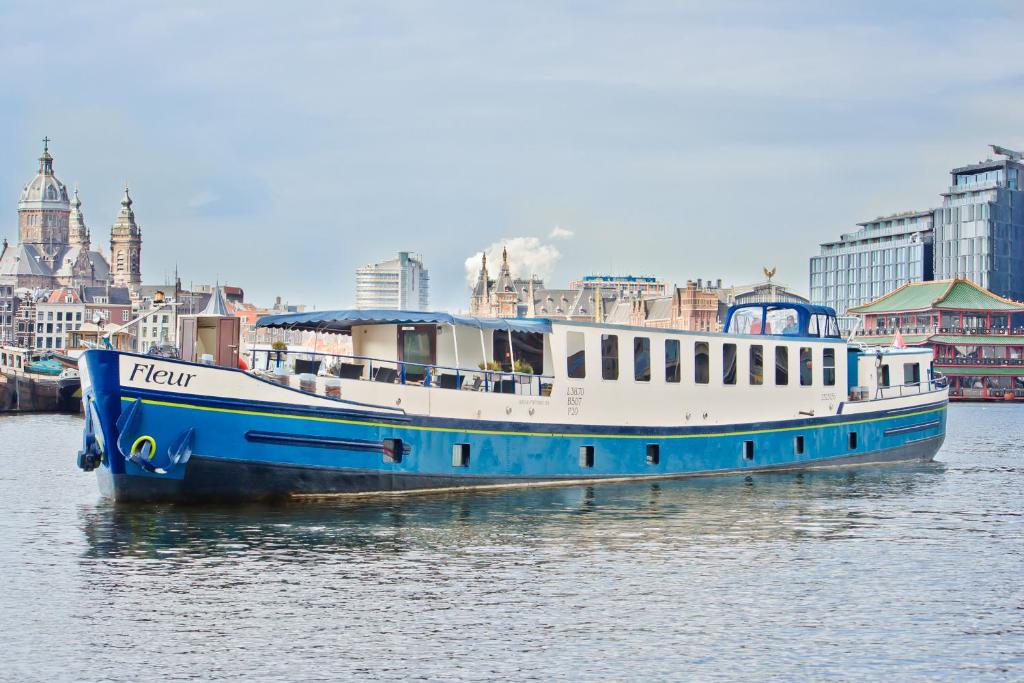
395 448
576 366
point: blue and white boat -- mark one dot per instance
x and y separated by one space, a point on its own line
429 401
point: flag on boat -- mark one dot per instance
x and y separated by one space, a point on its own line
897 341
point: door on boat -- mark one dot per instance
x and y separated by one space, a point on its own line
417 344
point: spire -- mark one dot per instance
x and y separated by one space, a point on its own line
46 161
78 234
504 256
216 305
126 201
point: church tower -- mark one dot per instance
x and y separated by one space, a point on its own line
126 248
480 302
43 211
78 234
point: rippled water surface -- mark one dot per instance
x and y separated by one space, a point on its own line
902 573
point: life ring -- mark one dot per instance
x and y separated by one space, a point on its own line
140 442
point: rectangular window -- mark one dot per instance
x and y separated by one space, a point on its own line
883 376
798 445
806 367
575 355
60 316
701 364
609 356
781 365
586 456
672 358
728 364
853 441
828 367
460 455
911 373
642 359
756 364
653 454
748 450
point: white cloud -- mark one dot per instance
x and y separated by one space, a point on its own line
560 233
526 256
203 198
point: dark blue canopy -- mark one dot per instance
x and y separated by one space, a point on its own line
344 321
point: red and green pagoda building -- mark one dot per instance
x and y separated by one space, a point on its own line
977 337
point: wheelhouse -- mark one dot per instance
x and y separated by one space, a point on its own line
783 319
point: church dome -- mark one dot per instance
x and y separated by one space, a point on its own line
44 191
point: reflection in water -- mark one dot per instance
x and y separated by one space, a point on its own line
895 573
715 510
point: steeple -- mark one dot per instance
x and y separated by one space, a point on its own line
78 234
126 247
46 161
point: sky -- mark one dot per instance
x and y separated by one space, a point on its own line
278 146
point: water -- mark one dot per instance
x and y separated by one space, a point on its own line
903 573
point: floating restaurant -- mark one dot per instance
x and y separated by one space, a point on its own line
976 336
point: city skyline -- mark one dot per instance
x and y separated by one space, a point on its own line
630 131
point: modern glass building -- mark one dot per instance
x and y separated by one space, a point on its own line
979 230
399 284
882 255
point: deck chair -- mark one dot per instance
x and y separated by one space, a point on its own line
350 371
473 384
302 367
447 381
386 375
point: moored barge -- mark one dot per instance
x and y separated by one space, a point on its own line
430 401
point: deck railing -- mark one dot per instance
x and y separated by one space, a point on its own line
368 368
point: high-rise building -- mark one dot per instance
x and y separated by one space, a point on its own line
401 283
977 234
979 230
883 254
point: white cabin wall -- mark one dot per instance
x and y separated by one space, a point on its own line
375 341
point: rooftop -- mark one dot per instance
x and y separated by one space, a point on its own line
958 294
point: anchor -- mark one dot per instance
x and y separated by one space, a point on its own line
91 455
142 450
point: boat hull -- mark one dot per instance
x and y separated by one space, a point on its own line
246 449
215 480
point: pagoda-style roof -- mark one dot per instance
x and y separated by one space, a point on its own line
958 294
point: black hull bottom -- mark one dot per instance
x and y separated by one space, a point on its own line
215 480
20 394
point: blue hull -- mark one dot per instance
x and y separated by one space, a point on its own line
252 451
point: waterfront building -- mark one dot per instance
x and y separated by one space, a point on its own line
8 311
632 285
693 307
401 283
54 247
977 336
880 256
979 230
62 312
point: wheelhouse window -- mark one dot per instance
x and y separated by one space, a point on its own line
701 363
781 366
828 367
576 355
806 367
784 321
911 373
609 356
728 364
883 376
642 359
756 364
672 358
